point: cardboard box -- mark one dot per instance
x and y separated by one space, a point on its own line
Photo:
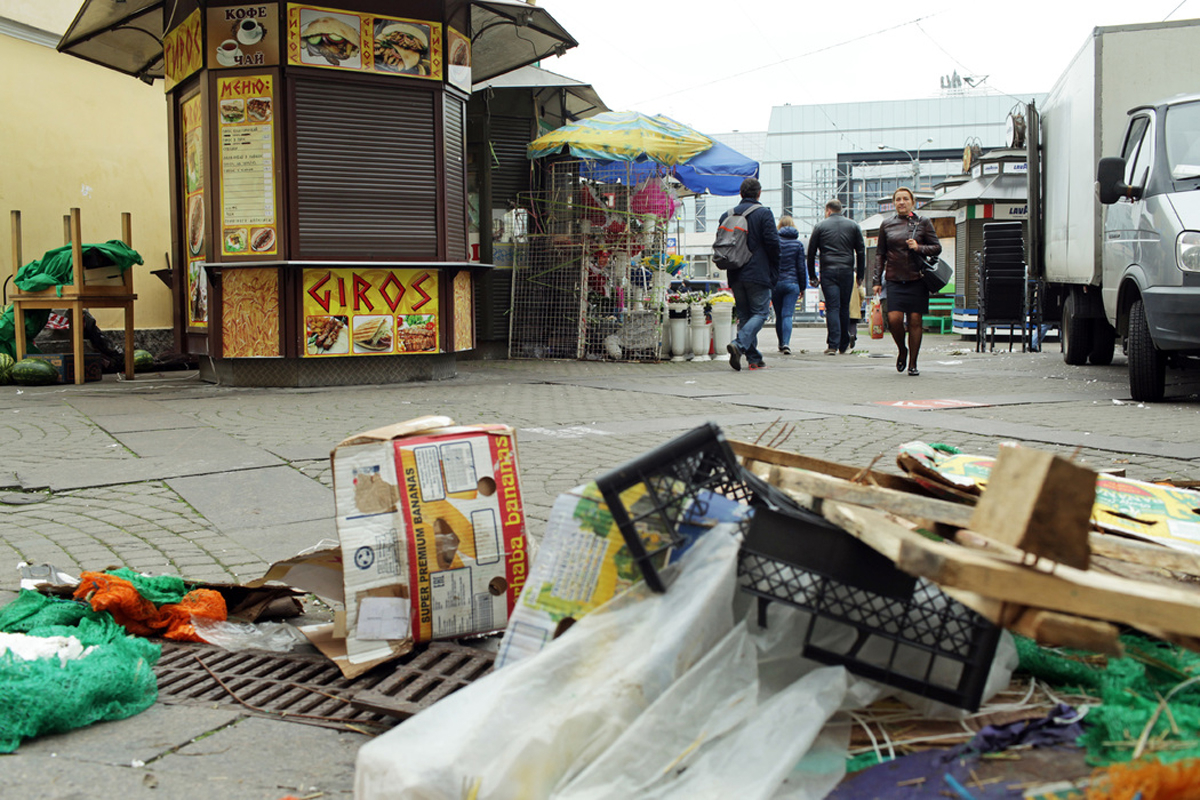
65 364
431 525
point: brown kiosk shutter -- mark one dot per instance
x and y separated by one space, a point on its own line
455 133
366 172
510 136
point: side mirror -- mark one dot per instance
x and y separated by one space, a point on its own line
1110 180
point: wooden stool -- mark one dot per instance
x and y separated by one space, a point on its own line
76 296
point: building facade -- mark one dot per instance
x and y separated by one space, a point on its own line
856 152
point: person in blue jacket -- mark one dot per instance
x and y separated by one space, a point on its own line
789 286
752 283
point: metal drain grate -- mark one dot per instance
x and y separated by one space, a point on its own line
298 687
309 688
437 672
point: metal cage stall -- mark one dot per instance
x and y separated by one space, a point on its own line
579 291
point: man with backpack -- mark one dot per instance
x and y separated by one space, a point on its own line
747 248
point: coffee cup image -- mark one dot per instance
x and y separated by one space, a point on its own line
228 52
250 31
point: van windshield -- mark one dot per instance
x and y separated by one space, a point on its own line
1183 141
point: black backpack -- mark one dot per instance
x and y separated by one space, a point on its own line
731 249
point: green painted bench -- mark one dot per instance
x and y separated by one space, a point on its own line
941 314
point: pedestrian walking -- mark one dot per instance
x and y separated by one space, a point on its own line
789 286
839 245
905 240
752 283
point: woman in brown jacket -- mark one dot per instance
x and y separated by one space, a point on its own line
903 242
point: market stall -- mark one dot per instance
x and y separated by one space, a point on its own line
592 269
319 175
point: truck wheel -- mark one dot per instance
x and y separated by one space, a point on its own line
1076 333
1147 366
1104 341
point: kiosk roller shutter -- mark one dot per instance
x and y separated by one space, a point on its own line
366 172
455 130
510 166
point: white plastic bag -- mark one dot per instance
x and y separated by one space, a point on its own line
648 696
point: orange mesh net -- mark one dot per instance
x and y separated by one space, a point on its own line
141 617
1147 780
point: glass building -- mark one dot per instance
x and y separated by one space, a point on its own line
856 152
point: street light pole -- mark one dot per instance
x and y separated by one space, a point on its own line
916 162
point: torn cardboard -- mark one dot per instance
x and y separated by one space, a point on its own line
432 533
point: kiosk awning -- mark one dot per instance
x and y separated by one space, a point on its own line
506 35
579 99
1002 188
126 35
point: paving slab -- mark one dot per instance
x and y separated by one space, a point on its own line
155 732
255 499
151 420
262 753
276 542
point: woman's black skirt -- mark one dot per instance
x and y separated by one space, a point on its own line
911 297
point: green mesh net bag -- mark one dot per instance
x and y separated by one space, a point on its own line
114 680
1149 700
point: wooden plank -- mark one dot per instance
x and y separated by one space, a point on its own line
769 455
1039 502
1150 555
825 487
1072 591
888 534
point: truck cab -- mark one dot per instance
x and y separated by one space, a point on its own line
1150 253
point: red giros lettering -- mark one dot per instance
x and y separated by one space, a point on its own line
392 290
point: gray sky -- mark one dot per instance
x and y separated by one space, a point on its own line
721 70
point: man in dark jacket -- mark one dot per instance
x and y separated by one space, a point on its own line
751 284
843 255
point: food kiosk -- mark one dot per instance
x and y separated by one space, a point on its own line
319 182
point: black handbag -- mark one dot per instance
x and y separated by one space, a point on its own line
936 274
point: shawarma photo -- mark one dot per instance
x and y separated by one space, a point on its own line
402 47
330 40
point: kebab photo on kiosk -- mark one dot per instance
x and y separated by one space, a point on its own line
372 335
402 47
331 39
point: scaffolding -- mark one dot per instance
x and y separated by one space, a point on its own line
585 285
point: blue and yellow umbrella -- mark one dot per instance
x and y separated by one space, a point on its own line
624 136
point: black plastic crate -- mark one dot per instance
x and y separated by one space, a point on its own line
865 613
679 477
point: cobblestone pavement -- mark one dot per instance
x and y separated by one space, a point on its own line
108 459
172 476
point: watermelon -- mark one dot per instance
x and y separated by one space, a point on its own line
142 360
34 372
6 364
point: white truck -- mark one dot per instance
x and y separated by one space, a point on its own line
1114 231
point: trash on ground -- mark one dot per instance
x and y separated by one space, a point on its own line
583 562
107 675
432 536
1154 512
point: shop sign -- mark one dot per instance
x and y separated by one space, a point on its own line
243 36
458 59
248 168
324 37
370 311
182 51
192 158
